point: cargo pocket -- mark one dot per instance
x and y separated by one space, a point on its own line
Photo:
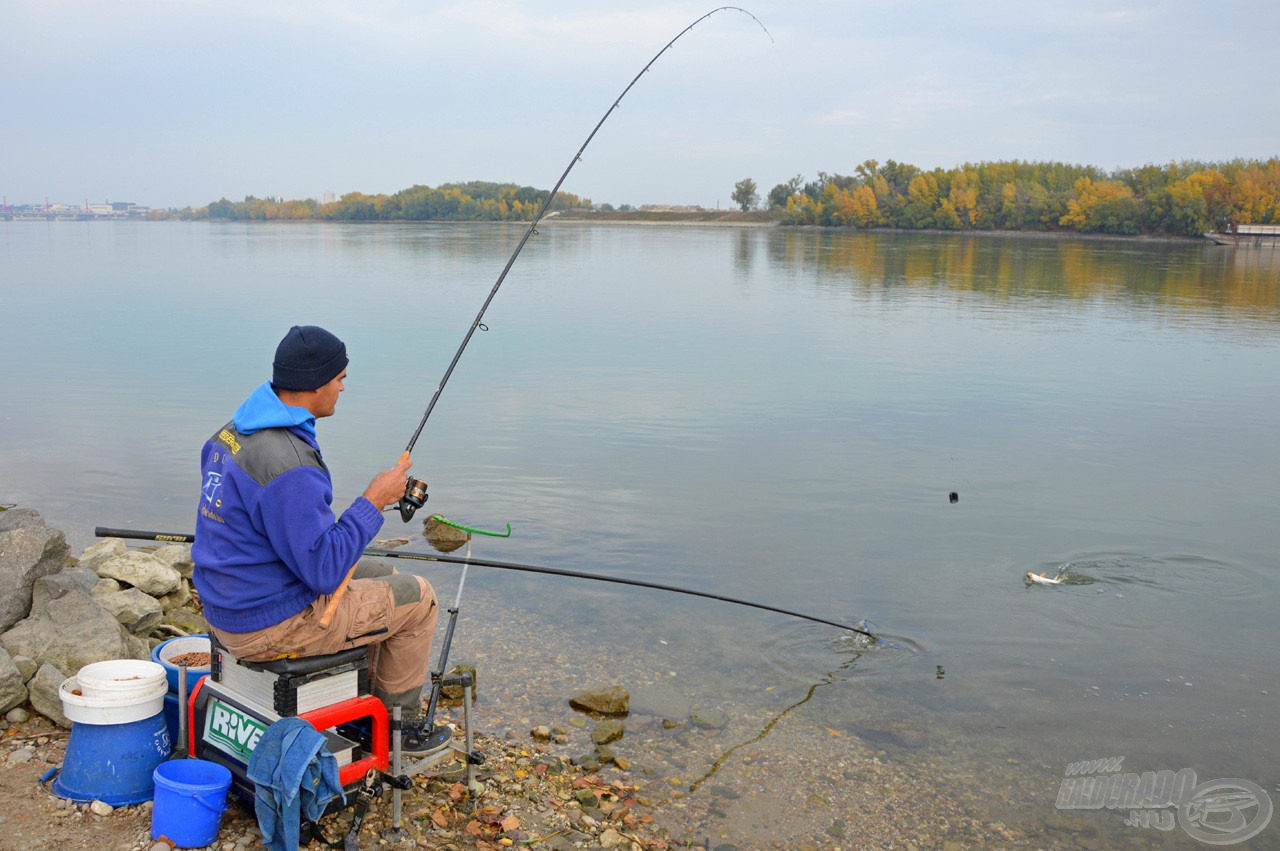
371 615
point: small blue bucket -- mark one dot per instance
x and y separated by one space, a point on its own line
191 796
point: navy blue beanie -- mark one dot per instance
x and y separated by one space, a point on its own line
307 358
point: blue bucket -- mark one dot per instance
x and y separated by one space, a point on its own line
191 796
113 763
161 654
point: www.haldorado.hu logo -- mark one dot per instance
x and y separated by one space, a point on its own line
1219 812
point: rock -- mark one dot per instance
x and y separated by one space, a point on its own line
178 557
542 733
143 571
622 762
187 621
177 598
660 699
73 632
107 586
13 688
455 692
28 551
612 839
56 585
553 763
104 550
606 732
23 754
711 718
442 536
101 808
26 665
45 698
590 762
611 700
17 715
137 612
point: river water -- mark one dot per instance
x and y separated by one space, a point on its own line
770 414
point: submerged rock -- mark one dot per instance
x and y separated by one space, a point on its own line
610 700
606 732
711 718
660 699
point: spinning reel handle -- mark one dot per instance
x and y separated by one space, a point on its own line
415 496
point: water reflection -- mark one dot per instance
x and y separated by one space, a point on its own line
1185 278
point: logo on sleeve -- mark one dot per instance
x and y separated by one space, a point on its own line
211 485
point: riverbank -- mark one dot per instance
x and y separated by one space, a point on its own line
685 767
770 219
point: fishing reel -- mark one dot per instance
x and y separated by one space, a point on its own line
415 496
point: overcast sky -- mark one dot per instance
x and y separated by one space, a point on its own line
181 102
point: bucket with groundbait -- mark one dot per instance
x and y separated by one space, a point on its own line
120 678
191 795
194 650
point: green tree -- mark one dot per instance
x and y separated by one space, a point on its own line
745 194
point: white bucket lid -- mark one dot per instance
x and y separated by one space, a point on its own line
110 709
120 676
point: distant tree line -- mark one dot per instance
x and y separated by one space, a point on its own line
473 201
1185 198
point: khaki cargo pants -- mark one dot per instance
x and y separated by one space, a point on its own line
394 614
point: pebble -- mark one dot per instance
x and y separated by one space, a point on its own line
17 715
22 755
101 808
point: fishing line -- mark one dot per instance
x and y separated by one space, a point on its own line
415 493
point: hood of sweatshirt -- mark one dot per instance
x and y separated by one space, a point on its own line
263 409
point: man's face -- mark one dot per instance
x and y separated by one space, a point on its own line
326 399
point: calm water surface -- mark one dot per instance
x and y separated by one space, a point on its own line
774 415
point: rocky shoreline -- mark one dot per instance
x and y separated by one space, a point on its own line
650 760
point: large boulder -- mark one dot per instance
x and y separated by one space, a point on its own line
55 585
13 688
143 571
45 695
136 611
177 556
104 550
72 632
28 550
177 598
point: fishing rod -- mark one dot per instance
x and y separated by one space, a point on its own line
178 538
415 490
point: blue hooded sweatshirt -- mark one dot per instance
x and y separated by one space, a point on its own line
267 543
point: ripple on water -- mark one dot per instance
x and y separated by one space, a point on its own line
1177 573
806 651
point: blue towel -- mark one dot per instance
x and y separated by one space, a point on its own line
293 775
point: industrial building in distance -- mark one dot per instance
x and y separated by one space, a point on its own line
51 212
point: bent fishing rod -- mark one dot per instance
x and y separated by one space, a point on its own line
179 538
415 491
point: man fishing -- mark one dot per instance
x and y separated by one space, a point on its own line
270 554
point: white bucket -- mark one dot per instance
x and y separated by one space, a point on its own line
120 678
112 708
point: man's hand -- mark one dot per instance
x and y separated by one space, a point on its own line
388 486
